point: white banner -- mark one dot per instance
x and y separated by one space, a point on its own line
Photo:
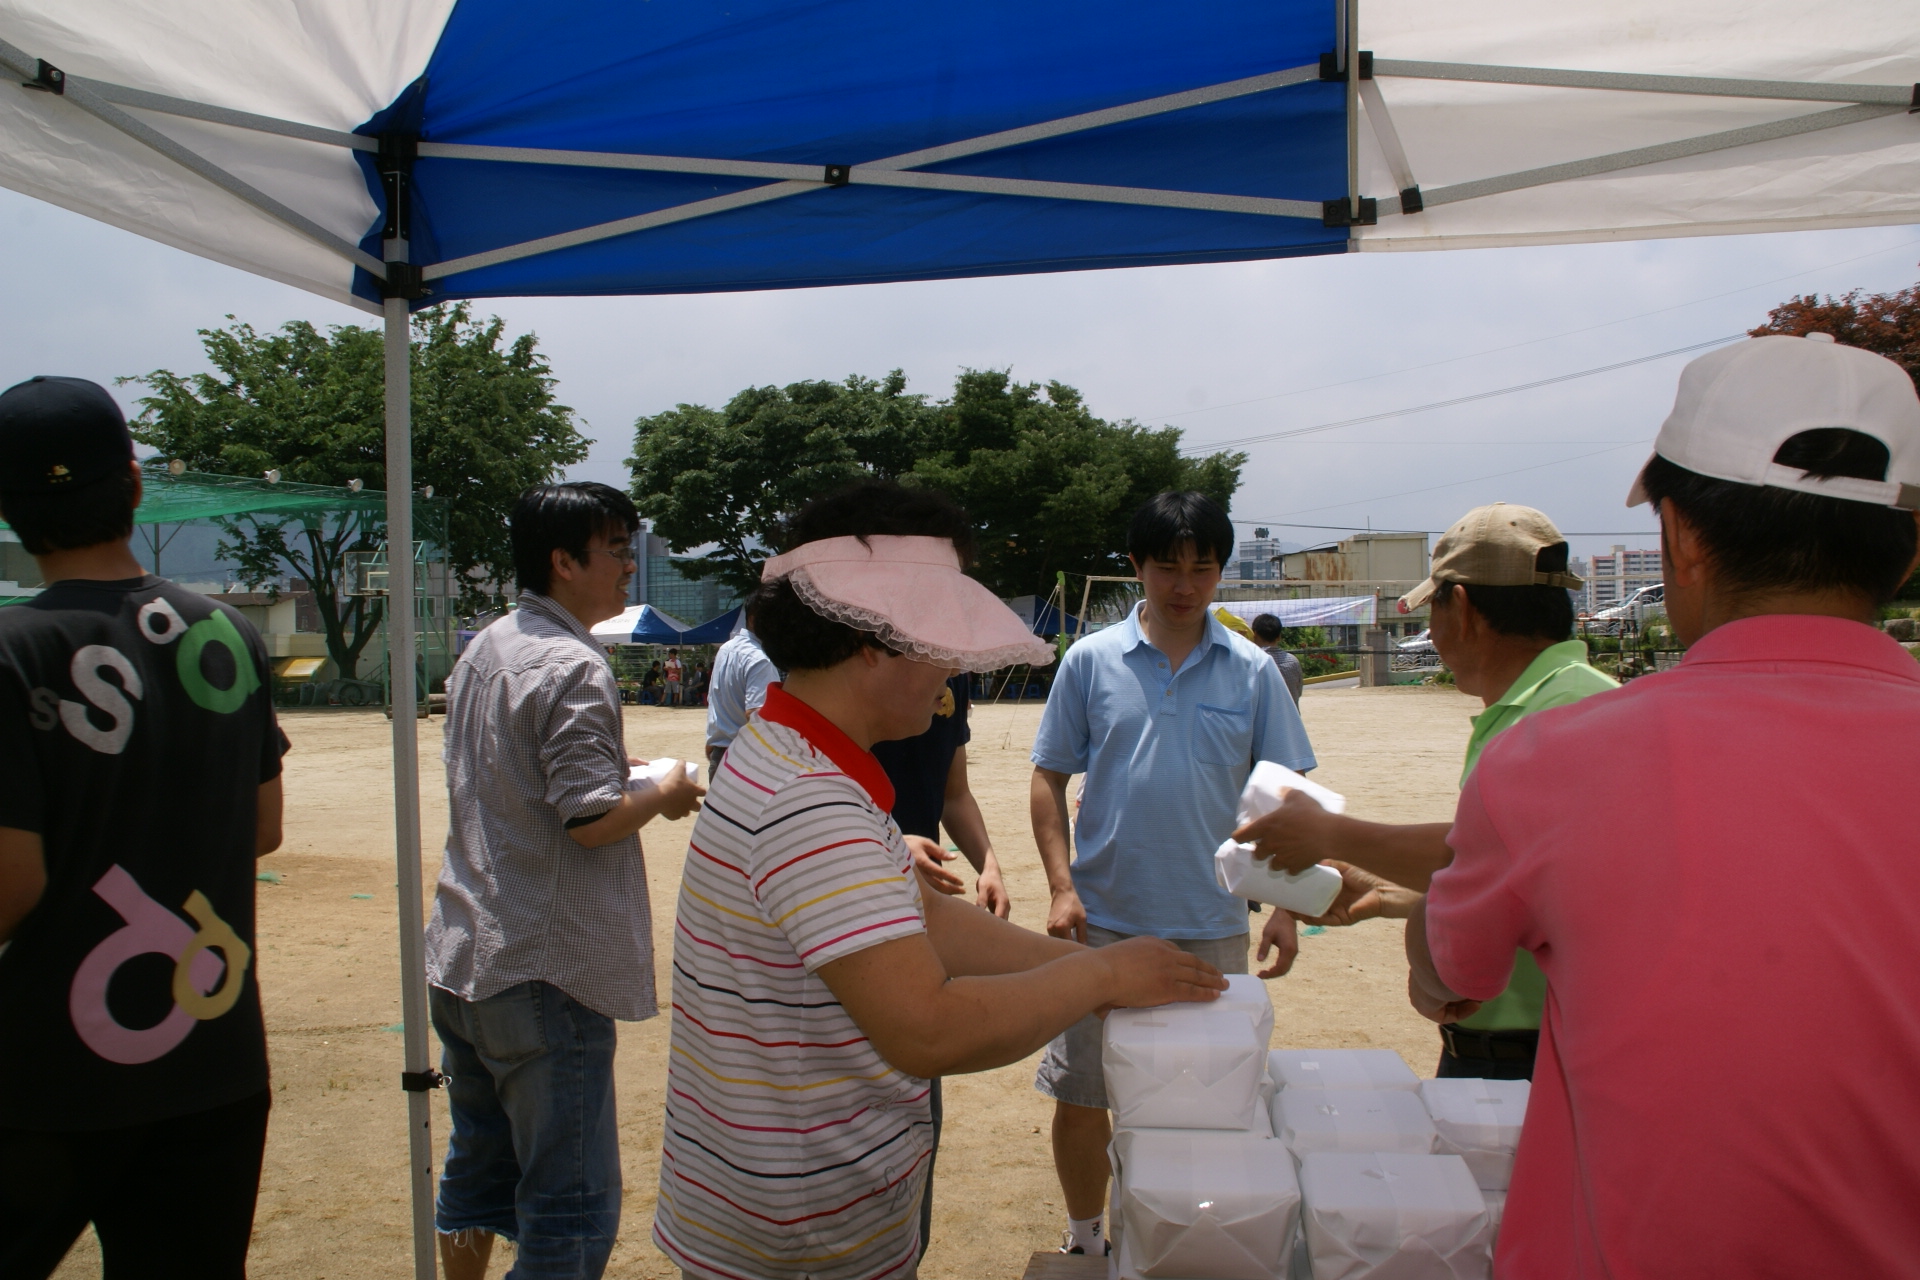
1331 611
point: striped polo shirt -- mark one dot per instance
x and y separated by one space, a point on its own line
791 1148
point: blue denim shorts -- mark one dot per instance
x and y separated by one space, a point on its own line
1070 1072
535 1154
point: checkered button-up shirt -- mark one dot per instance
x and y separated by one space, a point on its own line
533 740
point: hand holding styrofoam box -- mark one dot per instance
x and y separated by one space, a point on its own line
1479 1121
1246 992
1214 1204
655 772
1359 1120
1182 1066
1341 1069
1386 1216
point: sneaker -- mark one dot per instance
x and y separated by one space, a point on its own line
1067 1245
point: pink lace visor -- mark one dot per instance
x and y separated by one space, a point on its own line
911 593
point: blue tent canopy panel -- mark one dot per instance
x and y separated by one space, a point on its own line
865 87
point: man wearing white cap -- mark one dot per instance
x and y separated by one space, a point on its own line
816 986
1725 1080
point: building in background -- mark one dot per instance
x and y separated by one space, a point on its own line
1259 557
1619 574
660 580
1384 565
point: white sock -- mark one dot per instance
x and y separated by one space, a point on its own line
1084 1232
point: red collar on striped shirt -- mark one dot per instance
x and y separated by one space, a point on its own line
783 708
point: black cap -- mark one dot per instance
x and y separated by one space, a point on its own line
60 433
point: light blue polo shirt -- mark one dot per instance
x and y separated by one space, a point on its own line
1165 755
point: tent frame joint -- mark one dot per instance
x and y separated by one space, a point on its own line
47 78
1914 107
423 1081
404 280
837 175
1411 201
1330 68
1338 213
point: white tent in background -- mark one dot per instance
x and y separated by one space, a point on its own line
390 153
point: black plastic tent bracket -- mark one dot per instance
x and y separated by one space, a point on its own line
838 175
47 78
1337 213
1411 201
1330 66
423 1081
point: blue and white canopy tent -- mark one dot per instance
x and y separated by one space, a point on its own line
641 624
392 153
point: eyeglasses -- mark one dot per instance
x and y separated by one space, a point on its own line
624 555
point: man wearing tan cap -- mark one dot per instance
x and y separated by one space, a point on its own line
1501 622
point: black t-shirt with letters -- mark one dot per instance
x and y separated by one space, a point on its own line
918 766
136 727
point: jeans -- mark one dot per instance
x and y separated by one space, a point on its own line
169 1200
535 1151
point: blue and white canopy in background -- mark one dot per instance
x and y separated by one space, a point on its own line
641 624
391 153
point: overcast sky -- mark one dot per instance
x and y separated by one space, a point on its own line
1221 351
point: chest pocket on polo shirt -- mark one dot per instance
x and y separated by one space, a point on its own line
1222 735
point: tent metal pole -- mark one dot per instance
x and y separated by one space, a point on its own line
401 628
1349 65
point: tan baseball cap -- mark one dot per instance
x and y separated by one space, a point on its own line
1493 546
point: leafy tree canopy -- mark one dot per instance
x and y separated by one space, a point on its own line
727 477
310 404
1051 486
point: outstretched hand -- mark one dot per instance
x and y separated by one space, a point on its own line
1363 896
1152 971
1279 936
929 860
679 794
1294 836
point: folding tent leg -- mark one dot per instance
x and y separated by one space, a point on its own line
406 779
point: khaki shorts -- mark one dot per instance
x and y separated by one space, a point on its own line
1070 1072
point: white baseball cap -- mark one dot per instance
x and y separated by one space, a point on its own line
1738 405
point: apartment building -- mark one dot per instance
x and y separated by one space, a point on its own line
1614 576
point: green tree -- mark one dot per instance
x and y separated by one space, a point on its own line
1885 323
726 478
1052 486
311 405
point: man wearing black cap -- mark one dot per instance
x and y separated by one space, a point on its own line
141 779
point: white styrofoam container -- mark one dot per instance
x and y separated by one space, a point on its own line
1182 1066
1244 991
655 772
1268 785
1341 1069
1223 1206
1359 1120
1496 1209
1479 1121
1309 892
1387 1216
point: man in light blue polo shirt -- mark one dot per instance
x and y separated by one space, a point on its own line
1165 713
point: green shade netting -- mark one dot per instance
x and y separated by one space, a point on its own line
195 495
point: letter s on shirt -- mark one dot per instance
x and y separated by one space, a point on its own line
88 662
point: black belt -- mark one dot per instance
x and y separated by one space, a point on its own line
1489 1046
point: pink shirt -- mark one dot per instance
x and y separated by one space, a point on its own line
1717 870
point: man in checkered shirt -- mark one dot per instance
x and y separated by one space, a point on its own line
541 935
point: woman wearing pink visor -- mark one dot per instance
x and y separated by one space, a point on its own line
816 989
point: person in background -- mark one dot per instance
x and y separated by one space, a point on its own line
673 671
542 935
1266 634
141 779
701 675
737 688
1724 1087
801 921
1503 623
1166 714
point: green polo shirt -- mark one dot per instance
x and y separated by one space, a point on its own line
1561 674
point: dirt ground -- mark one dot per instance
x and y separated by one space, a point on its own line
333 1197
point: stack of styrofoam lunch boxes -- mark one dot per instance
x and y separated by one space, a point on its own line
1233 1162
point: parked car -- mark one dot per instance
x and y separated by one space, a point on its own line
1422 643
1633 611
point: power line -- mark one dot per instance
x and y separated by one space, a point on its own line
1198 450
1515 346
1455 483
1377 528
